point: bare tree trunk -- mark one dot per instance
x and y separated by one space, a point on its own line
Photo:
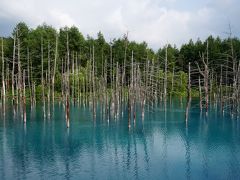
211 95
181 82
54 70
189 92
49 80
73 79
93 83
33 87
105 88
129 108
24 99
200 93
62 82
124 69
34 93
189 81
7 78
42 79
234 95
67 88
29 82
221 90
131 88
117 90
165 75
172 80
205 74
77 80
17 90
20 77
3 81
13 71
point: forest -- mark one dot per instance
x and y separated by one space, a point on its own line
45 64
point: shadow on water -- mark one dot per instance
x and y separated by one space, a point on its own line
160 146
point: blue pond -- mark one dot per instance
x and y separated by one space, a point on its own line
160 146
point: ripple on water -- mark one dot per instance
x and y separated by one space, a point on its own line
162 146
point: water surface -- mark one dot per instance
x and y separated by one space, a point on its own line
160 146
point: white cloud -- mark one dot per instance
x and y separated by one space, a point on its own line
155 21
115 21
60 19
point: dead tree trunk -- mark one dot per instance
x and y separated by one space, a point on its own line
93 84
33 86
54 70
7 78
3 80
129 108
124 69
49 79
73 79
205 74
62 82
20 77
172 80
200 92
67 87
24 99
165 75
29 82
188 92
42 79
13 69
77 79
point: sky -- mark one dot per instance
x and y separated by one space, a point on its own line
155 21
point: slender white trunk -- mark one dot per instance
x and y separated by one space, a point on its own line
49 79
54 68
42 79
165 74
3 80
67 87
24 99
29 82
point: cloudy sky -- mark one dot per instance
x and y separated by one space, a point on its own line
155 21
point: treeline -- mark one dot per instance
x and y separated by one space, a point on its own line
46 64
80 47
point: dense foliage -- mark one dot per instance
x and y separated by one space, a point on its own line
117 50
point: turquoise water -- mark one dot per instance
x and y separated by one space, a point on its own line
160 146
